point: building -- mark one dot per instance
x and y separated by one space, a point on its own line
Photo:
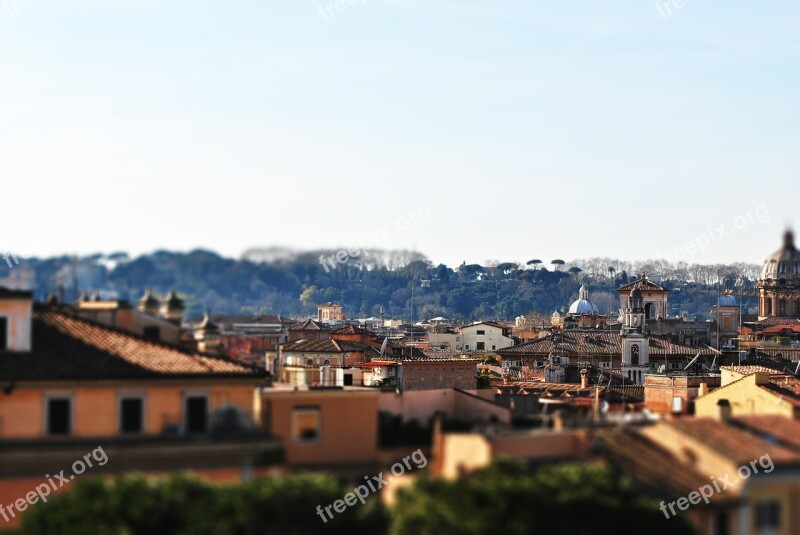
604 350
308 330
421 374
752 390
676 394
247 338
486 336
635 360
120 315
301 361
655 298
779 282
68 382
324 428
330 313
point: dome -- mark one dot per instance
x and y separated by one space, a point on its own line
727 300
583 305
784 263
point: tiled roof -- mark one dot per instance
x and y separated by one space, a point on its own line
582 343
750 370
732 442
307 325
228 321
771 321
773 428
655 469
351 329
66 347
643 284
786 386
327 346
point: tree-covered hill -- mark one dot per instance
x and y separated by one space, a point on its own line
390 280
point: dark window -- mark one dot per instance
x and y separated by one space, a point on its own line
151 333
648 310
131 411
481 346
635 354
348 379
480 333
58 416
3 334
196 414
722 525
768 515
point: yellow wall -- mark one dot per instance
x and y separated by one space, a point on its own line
745 397
96 407
787 493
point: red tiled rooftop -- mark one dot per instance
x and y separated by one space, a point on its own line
737 444
67 347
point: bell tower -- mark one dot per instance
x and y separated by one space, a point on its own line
635 339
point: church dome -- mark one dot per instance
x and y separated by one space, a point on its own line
784 263
728 300
583 305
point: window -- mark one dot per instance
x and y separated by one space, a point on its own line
151 333
481 346
768 515
480 332
493 348
781 307
722 524
605 364
59 416
306 425
674 365
635 354
3 333
196 416
131 415
310 362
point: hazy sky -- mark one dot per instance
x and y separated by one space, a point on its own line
467 130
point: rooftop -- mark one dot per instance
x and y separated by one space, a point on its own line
66 347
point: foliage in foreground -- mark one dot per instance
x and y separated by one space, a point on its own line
509 497
183 505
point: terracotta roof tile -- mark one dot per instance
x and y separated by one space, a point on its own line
68 347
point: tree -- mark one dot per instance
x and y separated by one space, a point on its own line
512 498
574 270
557 263
183 504
535 262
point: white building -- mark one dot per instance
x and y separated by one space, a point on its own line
486 336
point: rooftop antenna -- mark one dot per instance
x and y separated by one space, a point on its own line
692 362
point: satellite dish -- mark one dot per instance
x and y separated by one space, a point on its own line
661 369
604 406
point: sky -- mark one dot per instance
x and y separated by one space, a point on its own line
466 130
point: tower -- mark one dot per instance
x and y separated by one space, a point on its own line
635 338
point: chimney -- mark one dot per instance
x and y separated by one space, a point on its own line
558 421
703 390
16 320
762 378
724 413
584 379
